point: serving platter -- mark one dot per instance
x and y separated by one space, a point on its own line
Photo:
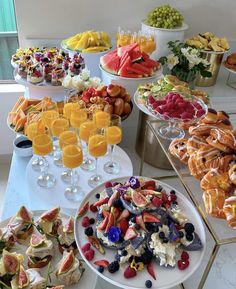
166 277
87 281
141 103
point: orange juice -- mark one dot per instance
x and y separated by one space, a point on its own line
72 156
113 135
48 117
69 107
34 129
102 119
97 145
67 138
78 117
42 145
85 130
59 125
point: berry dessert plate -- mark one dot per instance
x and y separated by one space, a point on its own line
136 232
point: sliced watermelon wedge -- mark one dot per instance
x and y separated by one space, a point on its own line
145 70
135 54
128 48
131 69
127 62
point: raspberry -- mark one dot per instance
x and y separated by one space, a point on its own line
157 202
89 254
184 256
85 222
130 272
93 208
182 265
86 247
108 184
173 198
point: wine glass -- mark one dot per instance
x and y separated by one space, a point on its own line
42 146
58 126
102 119
113 135
67 138
97 147
69 107
72 158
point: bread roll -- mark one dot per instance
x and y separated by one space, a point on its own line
119 106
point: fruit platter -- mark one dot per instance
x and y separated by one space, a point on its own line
136 232
38 250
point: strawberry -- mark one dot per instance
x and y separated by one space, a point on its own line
103 224
164 198
110 223
127 197
113 197
149 218
103 263
130 234
83 210
89 254
140 222
130 272
182 265
116 212
85 222
151 270
86 247
125 214
157 202
105 213
101 202
123 224
173 198
93 208
184 256
149 184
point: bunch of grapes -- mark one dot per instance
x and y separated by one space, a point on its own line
165 17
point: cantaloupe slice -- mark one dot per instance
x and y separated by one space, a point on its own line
18 103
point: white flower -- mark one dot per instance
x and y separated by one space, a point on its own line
85 74
95 81
67 82
172 60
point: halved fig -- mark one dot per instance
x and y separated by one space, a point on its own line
139 200
36 240
69 227
22 278
67 263
10 262
196 245
24 214
50 215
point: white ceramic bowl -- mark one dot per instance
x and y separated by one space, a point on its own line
163 36
131 84
22 152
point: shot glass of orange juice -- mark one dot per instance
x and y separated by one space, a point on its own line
42 146
72 158
102 119
67 138
69 107
77 117
86 128
97 147
113 135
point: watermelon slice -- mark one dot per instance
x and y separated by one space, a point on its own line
145 55
127 62
135 54
145 70
110 62
131 69
127 48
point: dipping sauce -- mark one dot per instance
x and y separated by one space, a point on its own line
24 144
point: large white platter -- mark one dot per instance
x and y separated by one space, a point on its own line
87 281
166 277
140 103
55 195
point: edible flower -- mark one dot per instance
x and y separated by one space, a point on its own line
173 234
137 266
134 183
114 234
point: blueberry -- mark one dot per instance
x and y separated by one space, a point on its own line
100 269
97 196
189 228
148 283
124 253
137 226
117 203
172 192
189 237
91 221
181 234
165 240
88 231
161 235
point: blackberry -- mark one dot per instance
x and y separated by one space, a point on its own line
189 237
137 226
113 267
88 231
148 283
146 257
100 269
117 203
161 235
97 196
91 221
181 234
189 228
124 253
172 192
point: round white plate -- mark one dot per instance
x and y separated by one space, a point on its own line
55 195
87 281
229 70
140 102
166 277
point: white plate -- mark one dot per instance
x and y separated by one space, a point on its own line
140 102
55 195
166 277
229 70
87 281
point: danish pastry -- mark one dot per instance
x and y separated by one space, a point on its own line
232 174
201 129
194 143
225 124
223 163
224 140
196 168
214 200
178 149
211 117
215 179
222 115
206 155
229 209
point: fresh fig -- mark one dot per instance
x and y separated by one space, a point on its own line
10 262
139 200
130 207
24 214
67 263
196 245
50 215
36 240
22 278
69 227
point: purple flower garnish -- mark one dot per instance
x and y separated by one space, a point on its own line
134 183
122 189
114 234
174 234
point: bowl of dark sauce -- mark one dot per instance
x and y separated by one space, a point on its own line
23 146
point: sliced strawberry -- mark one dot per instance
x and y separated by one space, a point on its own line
140 222
123 224
83 210
157 202
125 214
105 213
149 218
103 224
116 212
103 263
127 197
101 202
96 244
113 197
130 234
110 223
151 270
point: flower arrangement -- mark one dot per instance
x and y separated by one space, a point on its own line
185 62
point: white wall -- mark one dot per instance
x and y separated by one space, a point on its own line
61 18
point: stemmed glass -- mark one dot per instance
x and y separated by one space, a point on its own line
58 126
42 146
113 136
67 138
97 147
72 157
102 119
